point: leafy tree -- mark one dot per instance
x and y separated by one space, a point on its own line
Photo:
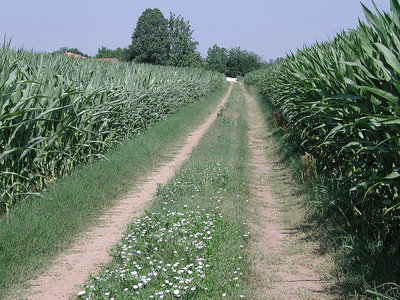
241 62
182 47
150 40
272 62
233 62
194 60
120 53
62 50
157 40
217 58
72 50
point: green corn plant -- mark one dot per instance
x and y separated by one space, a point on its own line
340 100
57 113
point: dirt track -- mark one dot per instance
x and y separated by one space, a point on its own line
72 268
290 280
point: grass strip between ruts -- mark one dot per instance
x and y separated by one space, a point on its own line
191 244
37 229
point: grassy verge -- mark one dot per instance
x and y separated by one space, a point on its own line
37 229
191 243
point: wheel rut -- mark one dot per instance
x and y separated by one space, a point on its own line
74 266
275 274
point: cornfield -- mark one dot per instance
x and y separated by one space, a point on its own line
57 112
340 101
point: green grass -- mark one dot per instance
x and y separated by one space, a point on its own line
38 228
192 242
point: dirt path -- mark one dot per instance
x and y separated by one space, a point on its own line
277 274
72 268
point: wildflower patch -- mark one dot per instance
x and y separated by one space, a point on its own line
174 251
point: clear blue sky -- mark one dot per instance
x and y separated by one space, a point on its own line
270 28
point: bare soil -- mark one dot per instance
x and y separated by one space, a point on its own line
73 267
277 273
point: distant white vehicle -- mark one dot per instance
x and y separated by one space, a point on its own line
231 80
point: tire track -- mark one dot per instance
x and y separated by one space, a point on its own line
73 267
275 275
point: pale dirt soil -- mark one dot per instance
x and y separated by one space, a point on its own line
72 268
277 272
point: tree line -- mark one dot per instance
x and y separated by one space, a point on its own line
161 41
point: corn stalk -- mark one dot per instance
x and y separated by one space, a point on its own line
57 112
340 100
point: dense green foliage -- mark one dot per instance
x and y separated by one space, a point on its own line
121 53
240 62
182 47
58 112
233 62
72 50
339 101
159 41
217 59
150 38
